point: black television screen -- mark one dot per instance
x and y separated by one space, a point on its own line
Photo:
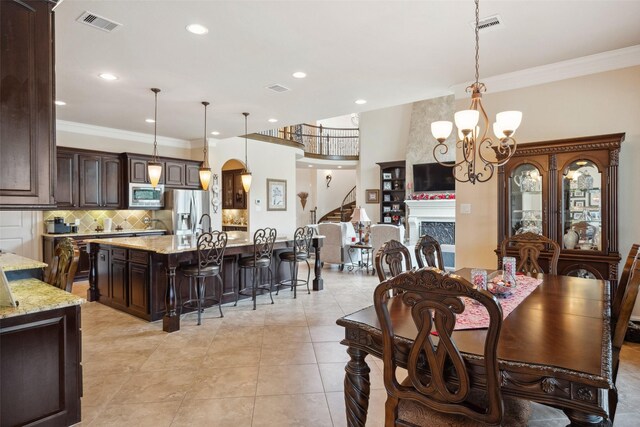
433 177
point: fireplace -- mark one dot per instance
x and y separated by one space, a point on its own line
436 218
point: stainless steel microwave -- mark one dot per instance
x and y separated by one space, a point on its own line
145 196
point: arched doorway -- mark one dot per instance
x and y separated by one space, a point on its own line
235 215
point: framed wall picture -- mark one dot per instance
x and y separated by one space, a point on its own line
387 197
386 185
594 199
386 175
386 209
276 194
395 207
372 196
578 203
387 220
577 193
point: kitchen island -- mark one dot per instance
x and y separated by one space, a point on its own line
139 275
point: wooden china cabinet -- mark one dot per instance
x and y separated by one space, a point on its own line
566 190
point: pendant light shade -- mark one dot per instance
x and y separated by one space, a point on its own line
154 167
246 175
205 170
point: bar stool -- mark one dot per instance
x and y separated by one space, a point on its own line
263 241
301 246
210 249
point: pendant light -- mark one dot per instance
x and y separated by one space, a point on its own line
246 175
154 167
205 170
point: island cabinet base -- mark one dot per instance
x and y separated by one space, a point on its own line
40 356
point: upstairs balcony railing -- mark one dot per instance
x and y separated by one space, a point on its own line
320 141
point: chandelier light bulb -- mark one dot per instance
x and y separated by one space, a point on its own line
441 130
497 130
466 120
509 121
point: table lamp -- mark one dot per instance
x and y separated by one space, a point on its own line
360 216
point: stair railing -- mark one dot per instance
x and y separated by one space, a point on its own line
348 199
321 140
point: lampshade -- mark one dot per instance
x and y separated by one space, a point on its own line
359 215
466 119
155 170
441 130
205 177
509 121
246 180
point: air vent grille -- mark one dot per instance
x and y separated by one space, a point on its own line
97 21
278 88
489 23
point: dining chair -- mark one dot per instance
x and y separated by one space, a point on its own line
63 266
438 390
300 252
623 282
527 248
263 241
391 255
619 327
210 249
428 252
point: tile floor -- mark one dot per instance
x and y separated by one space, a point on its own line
281 365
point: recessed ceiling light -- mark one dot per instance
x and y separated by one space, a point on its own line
361 101
108 76
149 120
339 167
197 29
310 166
215 132
60 103
273 120
299 75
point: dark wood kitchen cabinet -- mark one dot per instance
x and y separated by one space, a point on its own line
66 191
176 173
233 194
137 170
27 116
192 173
100 180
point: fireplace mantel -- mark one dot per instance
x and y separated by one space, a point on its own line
431 211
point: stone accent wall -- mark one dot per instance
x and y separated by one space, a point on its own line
421 141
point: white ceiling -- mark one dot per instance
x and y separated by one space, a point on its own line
387 52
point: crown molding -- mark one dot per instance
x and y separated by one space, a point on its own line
592 64
105 132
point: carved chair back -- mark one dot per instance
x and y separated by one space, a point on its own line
437 373
391 255
211 247
626 306
428 252
302 241
585 230
263 241
64 264
529 246
616 306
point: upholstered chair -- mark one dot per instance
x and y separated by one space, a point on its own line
338 237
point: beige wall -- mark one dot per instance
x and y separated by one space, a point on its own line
591 105
383 138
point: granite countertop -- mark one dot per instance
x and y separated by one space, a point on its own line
106 233
34 295
175 244
13 262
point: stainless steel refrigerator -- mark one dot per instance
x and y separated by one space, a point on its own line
186 208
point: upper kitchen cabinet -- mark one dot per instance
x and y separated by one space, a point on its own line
233 194
176 173
566 190
27 115
137 170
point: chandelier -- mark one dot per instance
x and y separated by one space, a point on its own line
480 154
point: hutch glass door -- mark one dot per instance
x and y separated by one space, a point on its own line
526 200
581 207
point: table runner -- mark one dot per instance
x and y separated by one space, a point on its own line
475 315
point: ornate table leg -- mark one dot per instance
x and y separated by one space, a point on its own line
92 292
581 419
318 283
171 319
356 388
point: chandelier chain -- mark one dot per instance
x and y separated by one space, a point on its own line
155 125
477 41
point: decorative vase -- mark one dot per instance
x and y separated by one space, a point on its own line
570 239
397 172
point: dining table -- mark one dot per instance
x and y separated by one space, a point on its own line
554 348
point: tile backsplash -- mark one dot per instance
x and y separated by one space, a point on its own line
234 216
127 219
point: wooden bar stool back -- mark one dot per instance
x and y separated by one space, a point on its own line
258 264
64 264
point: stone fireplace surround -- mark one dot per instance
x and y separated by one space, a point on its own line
433 213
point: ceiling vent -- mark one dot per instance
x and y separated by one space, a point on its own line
97 21
489 23
278 88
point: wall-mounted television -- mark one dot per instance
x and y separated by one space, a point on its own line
433 177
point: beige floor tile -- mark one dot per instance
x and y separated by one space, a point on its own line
139 415
99 389
326 333
289 379
228 412
175 358
286 334
89 413
239 336
221 356
284 318
213 383
191 335
332 375
236 318
113 362
375 412
287 354
330 352
322 319
295 410
155 386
